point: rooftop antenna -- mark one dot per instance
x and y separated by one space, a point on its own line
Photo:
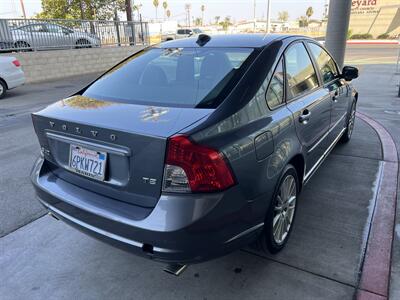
203 39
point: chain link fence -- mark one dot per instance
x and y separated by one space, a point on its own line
46 34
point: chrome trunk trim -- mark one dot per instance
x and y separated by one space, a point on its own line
118 150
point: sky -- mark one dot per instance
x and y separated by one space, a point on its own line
236 9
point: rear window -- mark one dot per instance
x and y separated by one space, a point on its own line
182 77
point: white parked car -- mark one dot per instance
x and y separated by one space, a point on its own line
11 74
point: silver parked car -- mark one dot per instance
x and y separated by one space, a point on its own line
51 36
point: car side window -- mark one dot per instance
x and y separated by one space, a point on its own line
181 31
35 28
54 28
300 73
275 92
325 63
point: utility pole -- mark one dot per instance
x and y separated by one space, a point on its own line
338 25
268 28
23 8
254 15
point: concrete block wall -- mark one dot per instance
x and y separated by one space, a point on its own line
55 64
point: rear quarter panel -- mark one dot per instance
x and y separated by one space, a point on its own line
235 135
12 75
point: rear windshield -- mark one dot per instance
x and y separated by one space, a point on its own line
182 77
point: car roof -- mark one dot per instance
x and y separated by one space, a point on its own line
229 40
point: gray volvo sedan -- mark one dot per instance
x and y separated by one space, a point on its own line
191 149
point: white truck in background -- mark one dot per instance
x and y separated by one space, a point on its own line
169 30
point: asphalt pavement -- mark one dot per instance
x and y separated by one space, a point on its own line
47 258
323 259
19 147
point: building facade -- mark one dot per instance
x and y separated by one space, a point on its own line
375 17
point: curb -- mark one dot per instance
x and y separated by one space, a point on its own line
375 271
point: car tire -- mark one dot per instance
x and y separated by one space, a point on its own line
3 88
281 213
22 46
83 43
350 124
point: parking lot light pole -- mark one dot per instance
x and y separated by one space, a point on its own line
338 25
268 26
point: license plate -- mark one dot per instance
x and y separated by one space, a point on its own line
87 162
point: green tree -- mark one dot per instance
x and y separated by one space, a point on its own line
156 3
309 13
283 16
58 9
80 9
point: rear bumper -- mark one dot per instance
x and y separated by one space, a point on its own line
15 79
180 228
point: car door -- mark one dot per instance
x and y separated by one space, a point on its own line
309 103
336 87
56 38
34 35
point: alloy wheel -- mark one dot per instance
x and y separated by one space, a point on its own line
284 209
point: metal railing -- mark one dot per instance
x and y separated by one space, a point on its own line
46 34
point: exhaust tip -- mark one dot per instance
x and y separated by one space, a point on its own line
175 269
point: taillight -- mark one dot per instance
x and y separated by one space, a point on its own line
194 168
16 63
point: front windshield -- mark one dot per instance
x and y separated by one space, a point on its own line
170 77
197 31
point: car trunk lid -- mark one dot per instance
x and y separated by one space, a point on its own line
133 137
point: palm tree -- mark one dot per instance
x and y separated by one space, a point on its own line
168 13
137 7
156 3
217 18
202 8
309 13
197 21
303 21
226 23
165 6
188 7
283 16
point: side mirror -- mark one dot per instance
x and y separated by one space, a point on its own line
349 73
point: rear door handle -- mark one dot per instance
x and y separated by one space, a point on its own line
305 116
